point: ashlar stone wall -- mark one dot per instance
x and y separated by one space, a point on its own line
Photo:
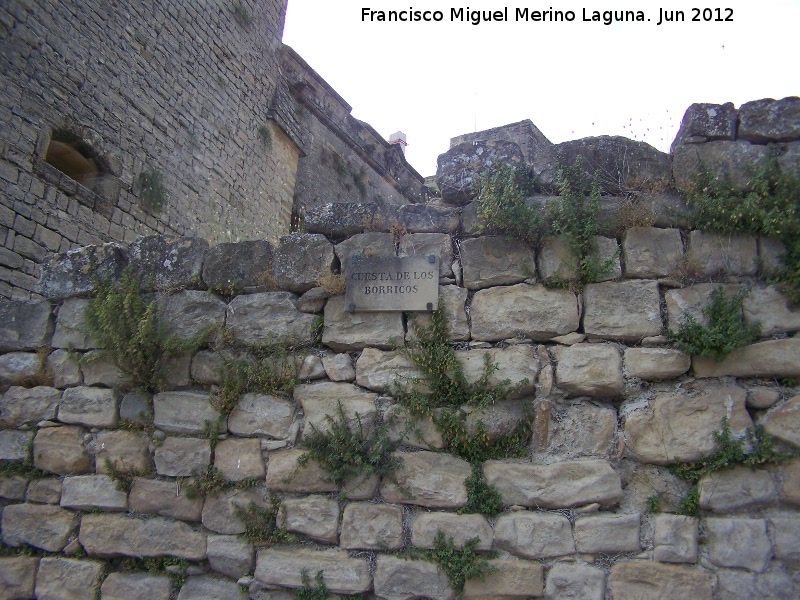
615 405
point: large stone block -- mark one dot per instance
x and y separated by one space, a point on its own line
117 535
26 406
42 526
189 313
222 512
163 498
741 487
723 159
428 479
123 451
453 300
558 263
528 310
239 459
76 272
17 576
183 412
399 579
622 310
322 400
681 428
518 365
691 301
300 260
654 364
262 414
72 329
380 370
768 120
704 122
14 445
534 535
417 431
771 310
314 516
60 450
341 574
740 543
783 421
124 586
773 358
90 492
372 244
511 578
65 369
285 475
198 587
345 331
722 254
787 538
269 318
180 457
238 266
89 406
170 261
579 428
338 220
675 539
558 485
646 580
589 370
568 581
607 534
460 168
489 261
68 579
650 252
367 526
25 325
230 555
426 244
497 420
456 528
428 218
16 367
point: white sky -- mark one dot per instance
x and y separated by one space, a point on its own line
434 81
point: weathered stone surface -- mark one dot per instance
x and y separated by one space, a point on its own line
650 252
530 310
459 169
337 220
773 358
723 254
285 475
558 263
399 579
309 367
71 331
123 450
426 244
608 534
495 421
183 412
740 487
458 528
237 266
568 581
207 367
790 486
262 414
428 218
239 459
646 580
367 526
428 479
371 244
137 407
322 400
14 445
680 428
762 397
171 261
230 555
675 539
17 576
89 492
269 318
742 543
42 526
691 301
419 432
178 457
654 364
737 584
12 487
787 537
511 578
489 261
189 313
559 485
17 367
208 588
534 535
453 299
75 273
60 450
67 579
517 364
65 369
362 487
118 535
770 253
89 406
622 310
769 120
704 122
783 421
314 516
25 325
771 310
341 574
99 369
44 491
579 428
589 370
339 367
312 301
125 586
723 159
380 370
163 498
21 406
300 260
353 331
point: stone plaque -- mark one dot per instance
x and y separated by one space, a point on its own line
392 283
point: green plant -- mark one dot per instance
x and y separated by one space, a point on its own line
690 503
266 137
307 592
346 454
153 193
501 204
130 332
123 478
482 497
769 208
459 564
206 483
653 504
174 568
726 329
260 523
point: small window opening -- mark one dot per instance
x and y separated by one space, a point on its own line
68 153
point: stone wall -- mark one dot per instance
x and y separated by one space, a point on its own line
615 405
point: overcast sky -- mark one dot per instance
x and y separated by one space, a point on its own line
574 79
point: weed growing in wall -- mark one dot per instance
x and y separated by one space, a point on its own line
128 329
771 208
152 191
260 523
459 564
124 478
174 568
501 203
482 498
726 329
